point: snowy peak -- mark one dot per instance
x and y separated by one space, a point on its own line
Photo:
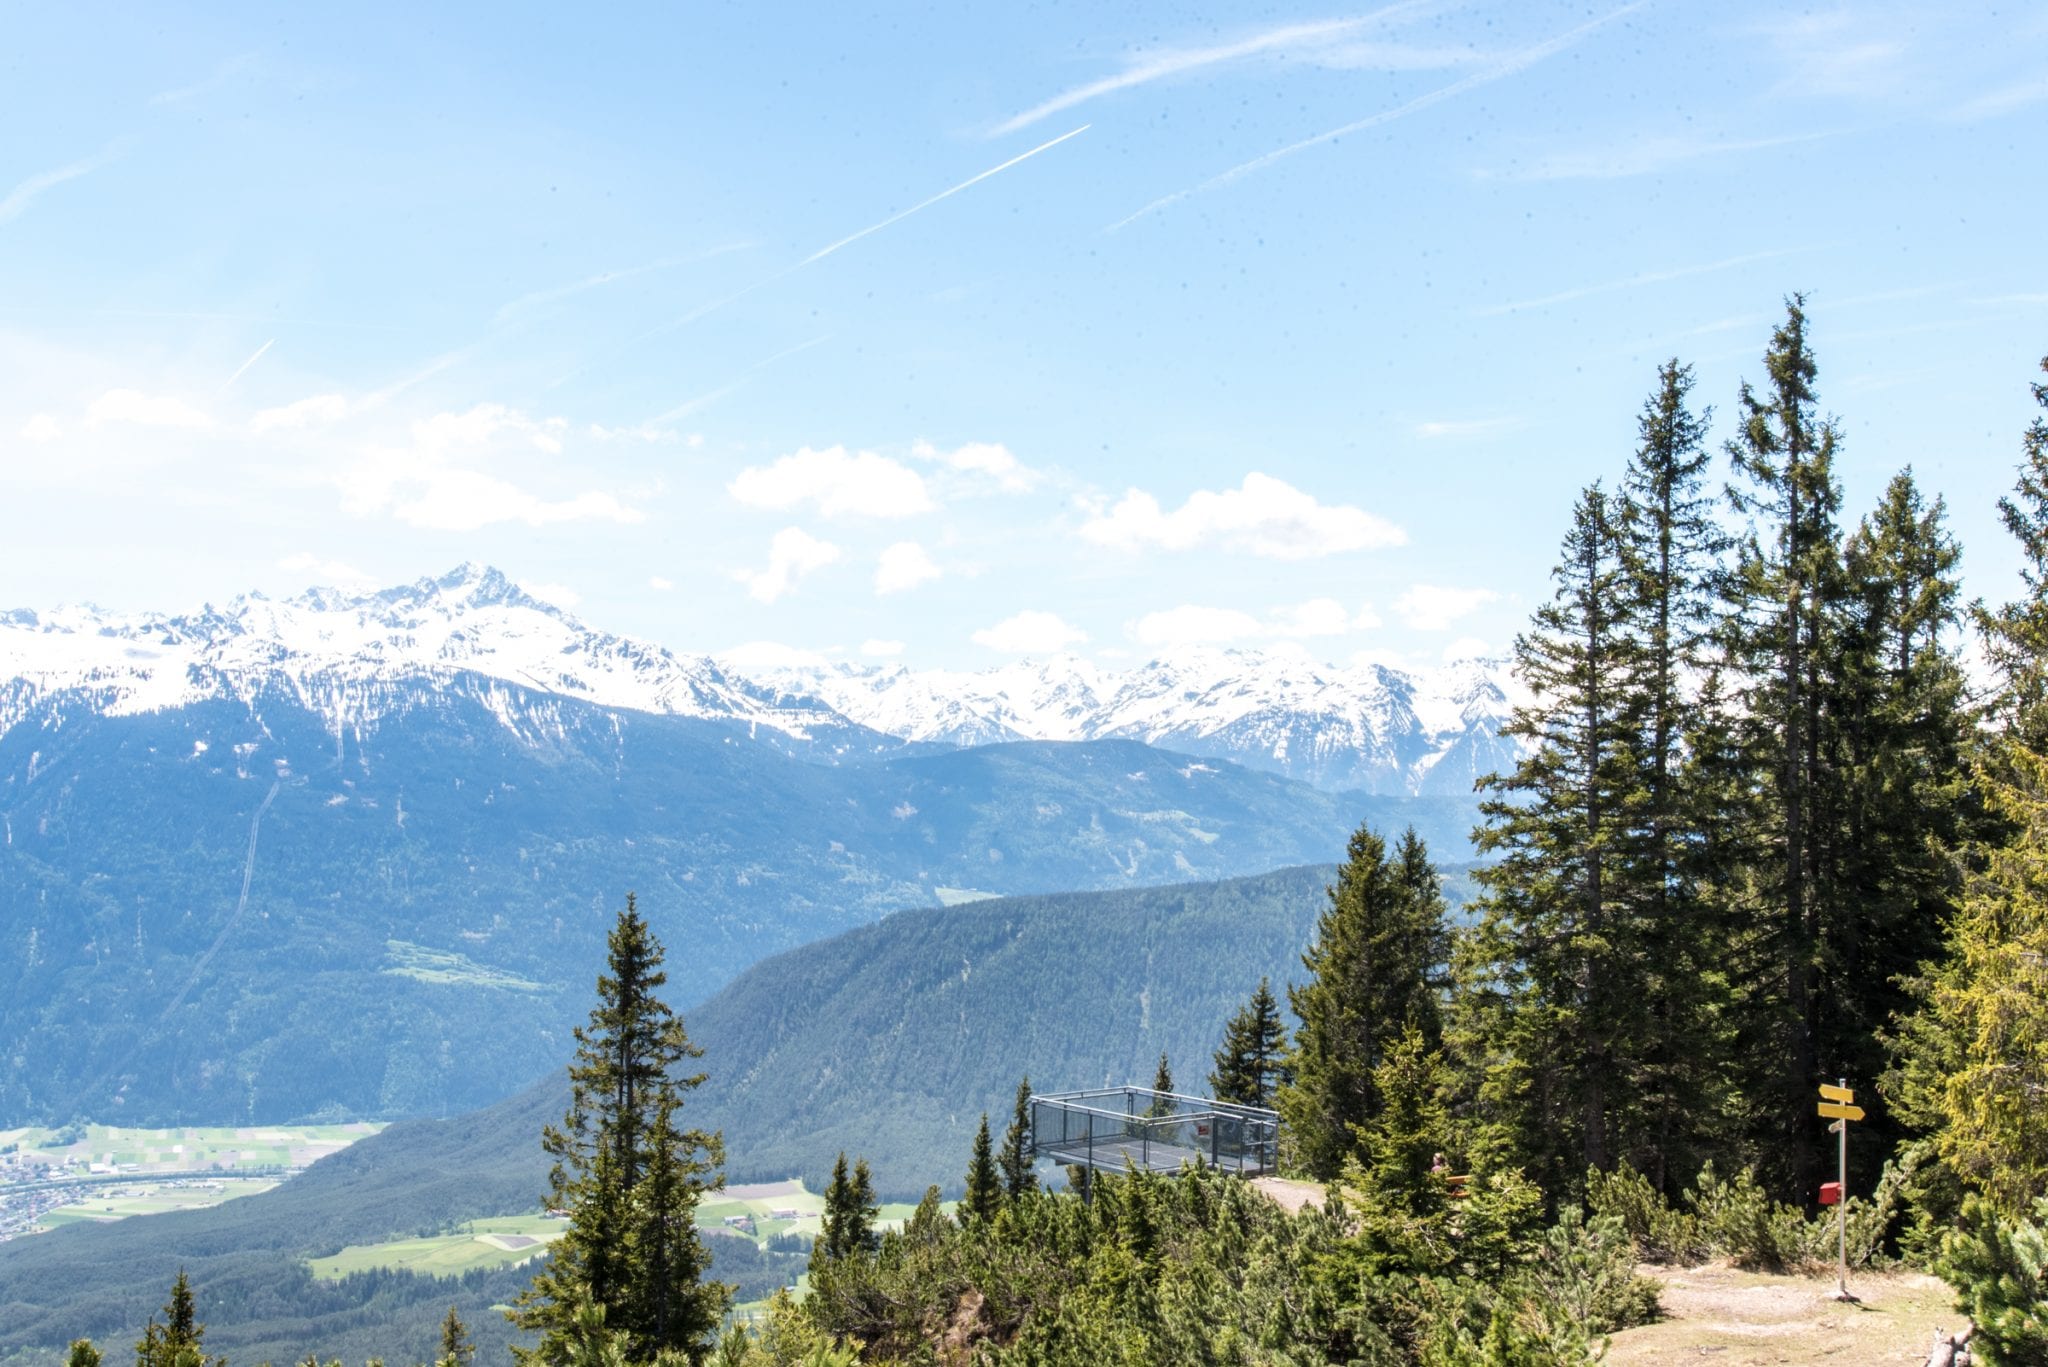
346 651
354 657
1363 726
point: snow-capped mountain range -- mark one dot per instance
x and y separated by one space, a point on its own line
350 657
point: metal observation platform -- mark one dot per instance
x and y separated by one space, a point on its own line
1112 1128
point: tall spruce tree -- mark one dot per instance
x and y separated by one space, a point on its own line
1786 598
1162 1083
456 1349
1248 1062
2015 635
984 1196
628 1178
1374 970
180 1341
1555 994
848 1226
1014 1161
1671 544
1903 728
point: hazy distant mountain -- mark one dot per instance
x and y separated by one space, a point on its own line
1368 726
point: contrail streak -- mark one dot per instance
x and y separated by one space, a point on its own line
824 252
712 306
705 400
241 369
1519 61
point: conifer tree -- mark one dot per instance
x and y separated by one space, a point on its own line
2016 634
1248 1063
1671 545
984 1183
1015 1159
82 1354
1162 1085
848 1227
180 1340
628 1178
1902 727
1555 991
1374 970
1786 596
456 1348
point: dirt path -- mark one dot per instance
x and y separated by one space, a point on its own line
1718 1315
1291 1195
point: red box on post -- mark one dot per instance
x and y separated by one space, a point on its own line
1830 1193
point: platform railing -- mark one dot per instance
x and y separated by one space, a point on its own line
1112 1127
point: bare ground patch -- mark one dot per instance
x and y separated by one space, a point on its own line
1716 1314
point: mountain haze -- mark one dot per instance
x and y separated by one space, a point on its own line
346 856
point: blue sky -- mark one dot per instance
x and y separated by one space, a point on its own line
955 332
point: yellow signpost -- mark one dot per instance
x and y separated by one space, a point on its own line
1835 1104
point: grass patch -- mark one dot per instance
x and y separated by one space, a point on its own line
499 1242
404 959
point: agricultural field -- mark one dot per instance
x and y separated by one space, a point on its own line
107 1203
757 1212
110 1172
500 1242
112 1149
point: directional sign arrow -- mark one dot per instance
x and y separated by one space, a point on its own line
1836 1112
1828 1092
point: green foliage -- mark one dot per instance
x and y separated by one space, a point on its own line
180 1340
82 1354
1374 971
1999 1268
1014 1160
1553 980
984 1199
848 1225
629 1180
456 1348
1660 1232
1248 1066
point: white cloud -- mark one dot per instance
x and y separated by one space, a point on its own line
25 192
766 656
329 573
1466 648
1458 428
902 566
561 595
318 409
1189 624
481 425
837 481
1030 633
881 650
464 500
659 584
1432 607
1265 517
793 554
145 410
2006 99
991 459
420 484
41 428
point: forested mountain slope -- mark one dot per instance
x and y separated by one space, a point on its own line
887 1041
224 911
